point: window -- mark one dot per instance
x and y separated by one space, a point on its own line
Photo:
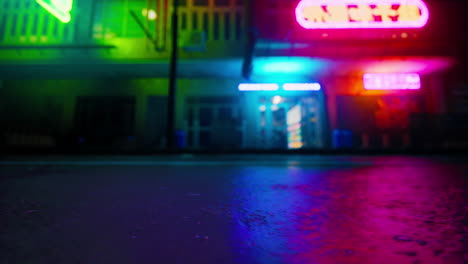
238 26
227 26
45 25
13 25
200 2
34 27
225 113
190 117
206 24
195 21
56 27
221 2
183 19
216 26
205 139
104 118
3 27
206 116
182 2
25 25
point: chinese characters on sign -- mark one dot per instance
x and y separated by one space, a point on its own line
315 14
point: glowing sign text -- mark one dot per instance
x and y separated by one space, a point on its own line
316 14
392 81
59 8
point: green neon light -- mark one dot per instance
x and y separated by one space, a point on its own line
59 8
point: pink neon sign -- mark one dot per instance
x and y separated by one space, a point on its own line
322 14
392 81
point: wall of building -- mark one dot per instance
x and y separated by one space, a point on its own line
51 107
107 30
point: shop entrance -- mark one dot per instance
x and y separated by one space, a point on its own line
288 122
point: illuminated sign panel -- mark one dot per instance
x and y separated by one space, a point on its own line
244 87
294 118
258 87
322 14
59 8
301 87
392 81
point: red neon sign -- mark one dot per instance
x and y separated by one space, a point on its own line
317 14
392 81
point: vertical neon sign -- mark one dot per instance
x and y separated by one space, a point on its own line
59 8
294 120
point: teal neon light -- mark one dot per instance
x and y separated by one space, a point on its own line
287 66
288 87
59 8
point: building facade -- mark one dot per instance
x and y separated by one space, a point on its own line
265 74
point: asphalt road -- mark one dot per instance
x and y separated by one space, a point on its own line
234 209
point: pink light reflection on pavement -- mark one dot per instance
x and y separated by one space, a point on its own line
371 214
382 215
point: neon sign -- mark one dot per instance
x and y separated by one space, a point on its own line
243 87
322 14
301 87
59 8
392 81
258 87
294 118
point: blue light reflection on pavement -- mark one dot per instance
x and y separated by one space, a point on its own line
229 210
273 205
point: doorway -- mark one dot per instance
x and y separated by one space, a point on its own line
213 122
288 122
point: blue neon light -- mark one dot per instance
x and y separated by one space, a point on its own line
301 87
258 87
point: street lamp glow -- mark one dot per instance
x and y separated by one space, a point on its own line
152 15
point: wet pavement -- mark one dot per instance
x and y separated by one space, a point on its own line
231 209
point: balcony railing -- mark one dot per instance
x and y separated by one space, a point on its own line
26 22
219 23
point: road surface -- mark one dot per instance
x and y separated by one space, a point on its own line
234 209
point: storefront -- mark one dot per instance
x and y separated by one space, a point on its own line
361 74
376 65
284 116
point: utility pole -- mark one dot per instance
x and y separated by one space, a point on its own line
171 105
250 41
